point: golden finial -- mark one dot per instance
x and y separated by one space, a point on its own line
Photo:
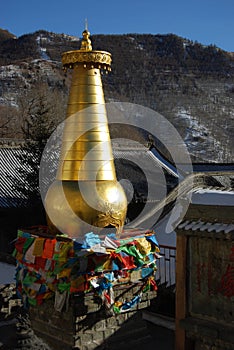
86 44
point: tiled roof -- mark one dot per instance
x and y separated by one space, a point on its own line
204 167
141 168
135 163
216 189
213 196
132 163
9 170
206 226
151 158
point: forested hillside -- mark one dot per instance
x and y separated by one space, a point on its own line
192 85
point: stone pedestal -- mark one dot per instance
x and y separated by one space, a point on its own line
88 325
85 295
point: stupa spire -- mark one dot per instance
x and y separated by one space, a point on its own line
86 160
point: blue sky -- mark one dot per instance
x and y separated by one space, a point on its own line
207 21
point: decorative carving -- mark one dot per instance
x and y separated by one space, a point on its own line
86 44
101 58
110 217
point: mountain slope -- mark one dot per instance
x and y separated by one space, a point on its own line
5 34
190 84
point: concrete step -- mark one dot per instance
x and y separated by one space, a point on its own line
159 320
133 331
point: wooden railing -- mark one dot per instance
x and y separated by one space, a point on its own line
166 265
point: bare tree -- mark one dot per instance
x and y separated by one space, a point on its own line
8 121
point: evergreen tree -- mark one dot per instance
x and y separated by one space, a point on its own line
39 111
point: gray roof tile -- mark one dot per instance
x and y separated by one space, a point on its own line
206 226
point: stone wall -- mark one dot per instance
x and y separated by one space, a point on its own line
206 335
205 288
88 324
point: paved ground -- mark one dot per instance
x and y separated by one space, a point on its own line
146 331
159 338
8 337
162 338
140 334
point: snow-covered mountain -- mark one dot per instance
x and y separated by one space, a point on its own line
192 85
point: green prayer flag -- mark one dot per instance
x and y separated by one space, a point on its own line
116 309
32 302
29 280
28 243
62 287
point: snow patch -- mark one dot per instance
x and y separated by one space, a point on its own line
42 50
213 197
7 273
10 71
44 55
139 47
198 137
71 37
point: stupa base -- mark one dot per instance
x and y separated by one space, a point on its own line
82 295
87 324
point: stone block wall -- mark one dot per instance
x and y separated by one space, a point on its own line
78 297
88 324
206 335
55 328
205 292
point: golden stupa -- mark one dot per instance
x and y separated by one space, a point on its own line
86 194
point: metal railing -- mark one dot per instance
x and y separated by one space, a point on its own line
166 265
